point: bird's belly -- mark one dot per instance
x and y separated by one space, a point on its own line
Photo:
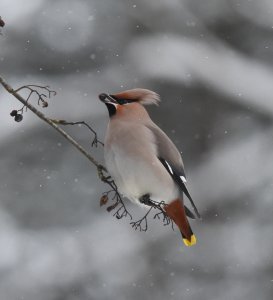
135 178
129 183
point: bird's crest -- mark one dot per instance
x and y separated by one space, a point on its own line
143 96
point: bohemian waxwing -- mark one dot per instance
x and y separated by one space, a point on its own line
143 161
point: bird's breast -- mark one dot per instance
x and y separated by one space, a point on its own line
131 159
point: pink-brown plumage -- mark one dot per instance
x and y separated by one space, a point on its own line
143 96
142 159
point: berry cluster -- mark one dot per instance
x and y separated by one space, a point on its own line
17 117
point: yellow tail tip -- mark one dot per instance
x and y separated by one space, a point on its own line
190 242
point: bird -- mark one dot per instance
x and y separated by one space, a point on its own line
143 161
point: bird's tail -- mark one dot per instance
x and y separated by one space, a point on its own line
176 211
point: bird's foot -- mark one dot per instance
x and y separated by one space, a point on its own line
145 199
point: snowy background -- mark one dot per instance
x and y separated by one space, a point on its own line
212 63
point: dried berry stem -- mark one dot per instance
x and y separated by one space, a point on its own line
95 141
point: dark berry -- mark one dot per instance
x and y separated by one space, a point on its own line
13 113
103 200
18 118
44 104
2 23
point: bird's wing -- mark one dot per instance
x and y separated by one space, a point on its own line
172 161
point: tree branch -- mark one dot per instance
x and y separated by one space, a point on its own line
50 122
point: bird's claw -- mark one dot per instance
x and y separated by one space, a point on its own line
145 199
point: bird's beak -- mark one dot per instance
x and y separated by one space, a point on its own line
105 98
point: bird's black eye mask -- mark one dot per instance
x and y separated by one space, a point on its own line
122 101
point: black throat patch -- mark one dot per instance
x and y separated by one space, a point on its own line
111 109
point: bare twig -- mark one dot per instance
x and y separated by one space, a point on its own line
165 218
121 210
142 224
32 88
95 141
138 225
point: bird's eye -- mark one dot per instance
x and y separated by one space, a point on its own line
122 101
